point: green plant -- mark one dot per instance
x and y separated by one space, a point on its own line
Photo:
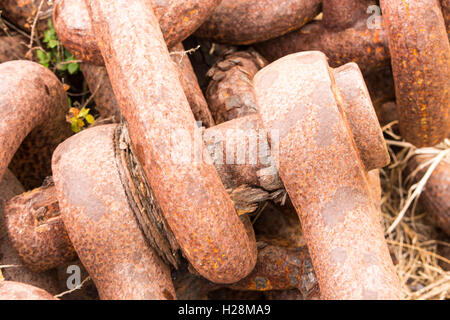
56 57
78 118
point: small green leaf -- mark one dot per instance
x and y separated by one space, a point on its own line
74 125
49 35
83 113
68 56
72 68
41 54
43 58
90 119
53 43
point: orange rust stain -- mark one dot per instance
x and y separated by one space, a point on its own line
376 37
407 8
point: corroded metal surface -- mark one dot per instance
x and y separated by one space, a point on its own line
241 154
33 103
360 113
12 48
10 290
374 180
326 179
73 26
98 82
279 225
23 12
420 54
280 268
163 130
387 113
178 20
36 229
106 103
230 92
247 136
141 200
342 14
9 187
367 47
435 197
100 222
380 84
192 90
445 4
258 20
192 287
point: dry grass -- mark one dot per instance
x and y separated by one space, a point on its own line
411 238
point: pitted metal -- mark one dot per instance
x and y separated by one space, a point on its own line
194 202
344 35
325 177
420 53
178 20
258 20
100 222
10 187
249 184
34 104
106 103
36 230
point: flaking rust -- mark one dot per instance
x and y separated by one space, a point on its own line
258 20
325 177
36 230
178 20
230 92
9 187
420 54
192 90
280 268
